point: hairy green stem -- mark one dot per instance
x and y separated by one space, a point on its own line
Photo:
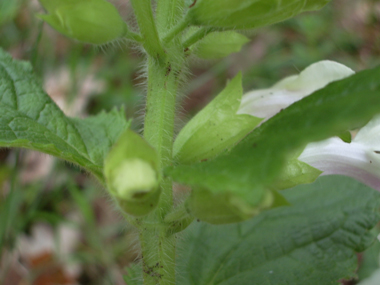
160 109
177 29
147 26
168 14
134 37
198 35
157 246
158 250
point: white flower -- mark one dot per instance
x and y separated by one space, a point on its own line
265 103
359 159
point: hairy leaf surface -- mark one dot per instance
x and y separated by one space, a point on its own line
313 241
30 119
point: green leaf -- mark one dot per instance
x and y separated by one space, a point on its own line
220 44
248 14
255 163
30 119
216 127
311 242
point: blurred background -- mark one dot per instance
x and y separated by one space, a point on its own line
57 225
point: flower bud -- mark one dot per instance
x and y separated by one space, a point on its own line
131 171
247 14
89 21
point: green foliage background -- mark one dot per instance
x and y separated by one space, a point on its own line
53 193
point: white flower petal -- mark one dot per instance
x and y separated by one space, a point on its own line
369 135
333 156
373 279
265 103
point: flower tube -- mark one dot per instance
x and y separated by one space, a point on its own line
359 159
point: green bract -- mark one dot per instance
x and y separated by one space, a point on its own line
215 128
247 14
132 175
220 44
225 207
90 21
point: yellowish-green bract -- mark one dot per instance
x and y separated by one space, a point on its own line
225 208
216 128
220 44
248 14
90 21
131 171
